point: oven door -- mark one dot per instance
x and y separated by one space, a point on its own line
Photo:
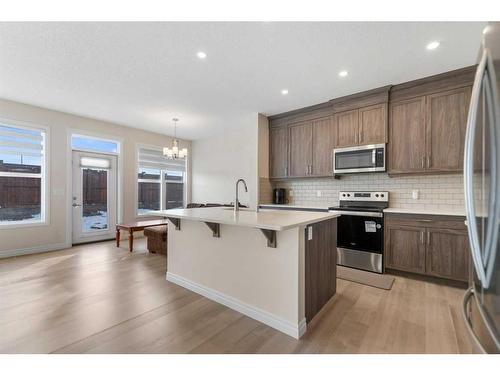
360 241
362 233
357 159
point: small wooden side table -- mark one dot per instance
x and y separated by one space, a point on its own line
136 226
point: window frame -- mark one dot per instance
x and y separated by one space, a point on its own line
162 181
44 175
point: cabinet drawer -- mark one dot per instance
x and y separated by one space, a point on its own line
436 221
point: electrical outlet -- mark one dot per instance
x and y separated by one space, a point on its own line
415 194
318 193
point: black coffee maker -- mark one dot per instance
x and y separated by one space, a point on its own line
279 196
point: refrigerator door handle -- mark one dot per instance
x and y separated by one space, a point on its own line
469 170
466 316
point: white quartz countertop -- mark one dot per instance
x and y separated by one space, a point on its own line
272 219
426 211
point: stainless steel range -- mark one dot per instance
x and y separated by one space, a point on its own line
360 231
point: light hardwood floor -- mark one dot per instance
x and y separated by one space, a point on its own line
97 298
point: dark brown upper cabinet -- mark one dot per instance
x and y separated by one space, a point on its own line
446 126
363 126
323 142
427 124
407 136
310 147
347 128
300 149
278 152
373 124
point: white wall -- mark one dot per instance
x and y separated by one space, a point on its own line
220 160
53 235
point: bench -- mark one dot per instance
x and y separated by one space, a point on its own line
136 226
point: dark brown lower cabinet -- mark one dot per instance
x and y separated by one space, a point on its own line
447 253
405 250
427 244
320 266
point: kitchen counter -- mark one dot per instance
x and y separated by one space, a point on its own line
255 262
271 220
426 211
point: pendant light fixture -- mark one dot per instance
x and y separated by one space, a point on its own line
174 152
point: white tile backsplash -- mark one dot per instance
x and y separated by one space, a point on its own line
437 192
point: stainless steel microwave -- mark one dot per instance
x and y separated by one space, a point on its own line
369 158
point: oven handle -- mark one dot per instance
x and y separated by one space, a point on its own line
358 213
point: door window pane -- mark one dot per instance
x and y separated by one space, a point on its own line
20 199
94 199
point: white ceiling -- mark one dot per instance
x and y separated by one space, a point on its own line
143 74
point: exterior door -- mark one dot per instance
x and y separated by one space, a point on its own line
407 135
446 125
278 152
300 136
94 196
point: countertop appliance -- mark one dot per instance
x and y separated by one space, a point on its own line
481 305
360 229
279 196
368 158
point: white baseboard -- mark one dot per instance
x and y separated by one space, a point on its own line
294 330
34 250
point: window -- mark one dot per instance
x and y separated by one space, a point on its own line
161 182
87 143
22 175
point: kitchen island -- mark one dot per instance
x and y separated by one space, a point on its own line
278 267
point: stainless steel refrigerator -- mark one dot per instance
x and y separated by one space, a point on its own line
481 305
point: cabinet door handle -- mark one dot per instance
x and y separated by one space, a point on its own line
422 238
423 161
428 161
286 171
310 169
360 137
429 238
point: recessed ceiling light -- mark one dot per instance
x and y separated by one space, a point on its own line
284 92
433 45
343 73
201 55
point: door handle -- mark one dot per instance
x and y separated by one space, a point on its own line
429 238
76 205
422 238
469 170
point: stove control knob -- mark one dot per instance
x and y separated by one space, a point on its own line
376 195
348 195
343 195
382 195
